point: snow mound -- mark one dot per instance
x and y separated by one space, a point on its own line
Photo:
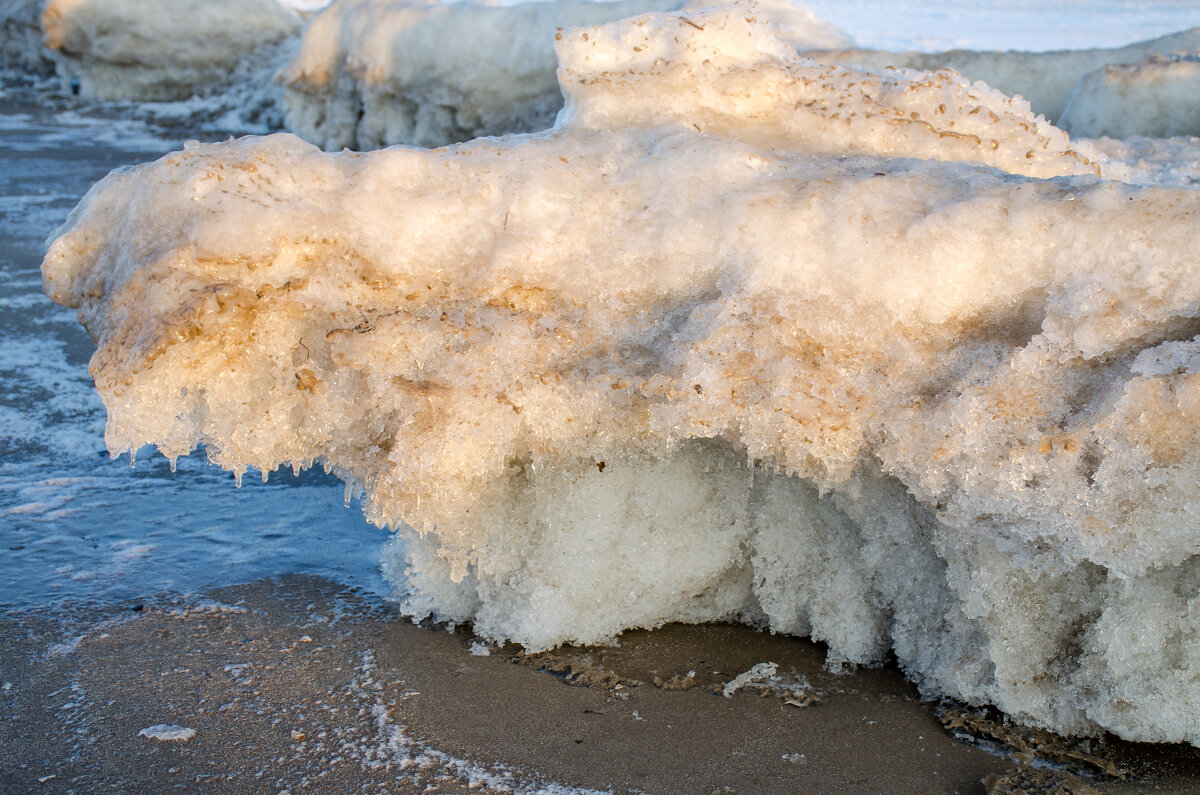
165 49
1045 79
1156 97
743 337
372 73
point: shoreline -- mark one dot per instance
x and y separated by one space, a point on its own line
298 683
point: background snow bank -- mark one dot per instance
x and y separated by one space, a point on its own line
743 337
372 73
1158 97
21 37
1045 79
167 49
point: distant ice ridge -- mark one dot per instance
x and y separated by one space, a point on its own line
169 49
1124 91
874 358
373 73
21 37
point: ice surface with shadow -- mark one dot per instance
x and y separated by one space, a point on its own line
877 358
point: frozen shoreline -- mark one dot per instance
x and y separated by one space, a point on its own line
299 681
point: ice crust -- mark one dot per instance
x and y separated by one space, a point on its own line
1046 79
876 359
161 49
373 73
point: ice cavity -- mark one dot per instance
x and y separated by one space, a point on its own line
1048 79
372 73
170 49
743 337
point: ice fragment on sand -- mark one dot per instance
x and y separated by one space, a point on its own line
1156 97
758 673
877 359
167 732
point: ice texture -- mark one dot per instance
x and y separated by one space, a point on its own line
1045 79
373 73
160 49
872 358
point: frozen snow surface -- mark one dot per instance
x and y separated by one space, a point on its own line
742 337
372 73
161 49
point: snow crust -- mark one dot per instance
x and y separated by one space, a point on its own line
1045 79
165 49
373 73
874 358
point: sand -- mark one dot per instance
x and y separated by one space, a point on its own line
286 683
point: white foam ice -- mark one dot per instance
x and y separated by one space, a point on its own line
875 358
372 73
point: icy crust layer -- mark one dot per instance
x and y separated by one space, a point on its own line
1045 79
166 49
608 377
1155 97
373 73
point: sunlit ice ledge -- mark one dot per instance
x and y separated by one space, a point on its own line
874 358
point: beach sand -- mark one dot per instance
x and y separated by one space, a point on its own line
299 684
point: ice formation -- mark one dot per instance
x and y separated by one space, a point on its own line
372 73
166 49
873 358
1156 97
1045 79
21 37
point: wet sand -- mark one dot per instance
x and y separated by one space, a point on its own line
300 685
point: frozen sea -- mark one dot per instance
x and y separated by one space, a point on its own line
77 526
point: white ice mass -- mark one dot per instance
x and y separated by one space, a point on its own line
875 358
373 73
160 49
